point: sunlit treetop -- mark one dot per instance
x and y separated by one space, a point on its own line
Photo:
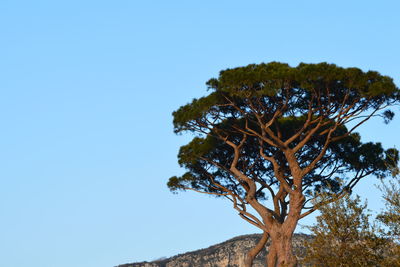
277 83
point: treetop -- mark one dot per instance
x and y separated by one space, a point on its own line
276 81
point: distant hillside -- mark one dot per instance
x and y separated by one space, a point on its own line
230 253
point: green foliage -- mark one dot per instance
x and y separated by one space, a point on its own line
390 217
344 236
327 81
241 94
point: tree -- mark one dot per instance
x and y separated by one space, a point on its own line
390 217
344 236
268 136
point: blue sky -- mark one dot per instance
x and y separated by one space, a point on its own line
87 89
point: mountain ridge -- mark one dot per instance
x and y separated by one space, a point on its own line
229 253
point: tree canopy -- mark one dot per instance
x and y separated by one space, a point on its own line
271 131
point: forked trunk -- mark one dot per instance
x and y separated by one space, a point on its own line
251 255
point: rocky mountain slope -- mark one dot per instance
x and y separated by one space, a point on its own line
230 253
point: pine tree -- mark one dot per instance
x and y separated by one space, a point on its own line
271 131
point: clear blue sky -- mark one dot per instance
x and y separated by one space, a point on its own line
86 94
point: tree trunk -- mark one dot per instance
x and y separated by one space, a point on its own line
251 255
285 255
281 234
271 257
281 251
